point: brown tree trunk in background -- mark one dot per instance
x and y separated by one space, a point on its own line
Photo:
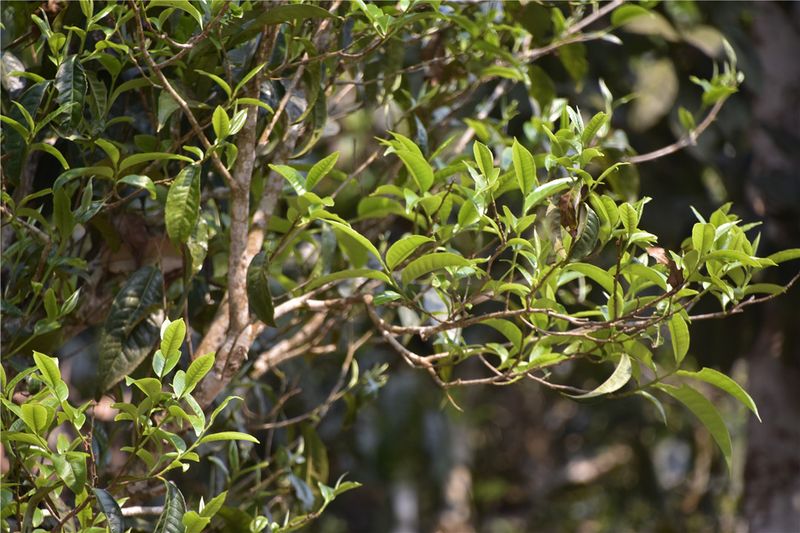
772 473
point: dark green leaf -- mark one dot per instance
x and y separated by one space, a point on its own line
278 15
71 87
588 233
148 157
132 326
170 520
258 291
114 519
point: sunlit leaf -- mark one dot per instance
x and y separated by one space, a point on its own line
621 375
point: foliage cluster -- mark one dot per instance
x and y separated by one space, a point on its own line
169 181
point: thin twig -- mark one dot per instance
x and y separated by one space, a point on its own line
690 139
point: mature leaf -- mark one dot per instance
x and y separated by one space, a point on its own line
114 519
403 248
589 232
148 157
52 150
617 380
509 330
545 190
71 87
170 520
352 273
295 179
142 182
198 245
71 468
320 170
62 214
258 291
720 380
431 262
573 57
167 105
418 167
247 77
357 237
131 328
524 168
183 5
706 412
679 334
656 403
219 81
595 273
227 435
278 15
183 204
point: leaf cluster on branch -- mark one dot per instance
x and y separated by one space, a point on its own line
246 183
